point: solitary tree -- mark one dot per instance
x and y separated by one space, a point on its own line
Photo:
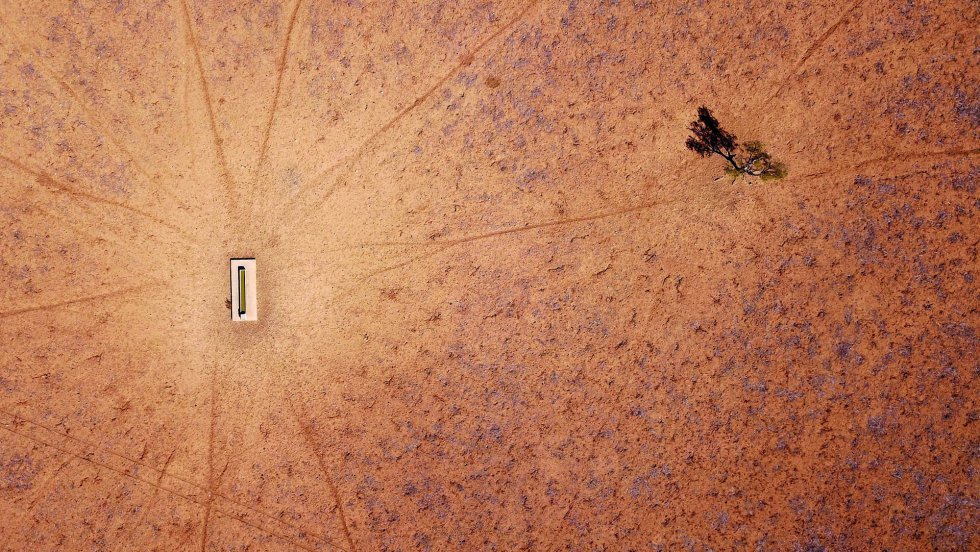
708 138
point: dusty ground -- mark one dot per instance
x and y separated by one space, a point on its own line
502 307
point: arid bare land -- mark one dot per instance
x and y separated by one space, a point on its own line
501 306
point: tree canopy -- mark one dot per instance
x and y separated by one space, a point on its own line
708 138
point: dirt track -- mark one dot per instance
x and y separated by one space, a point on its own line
502 306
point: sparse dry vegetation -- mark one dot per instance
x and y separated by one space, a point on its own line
502 307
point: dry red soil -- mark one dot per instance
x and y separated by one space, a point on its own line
501 307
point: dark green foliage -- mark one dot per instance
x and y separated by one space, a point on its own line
708 138
759 163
